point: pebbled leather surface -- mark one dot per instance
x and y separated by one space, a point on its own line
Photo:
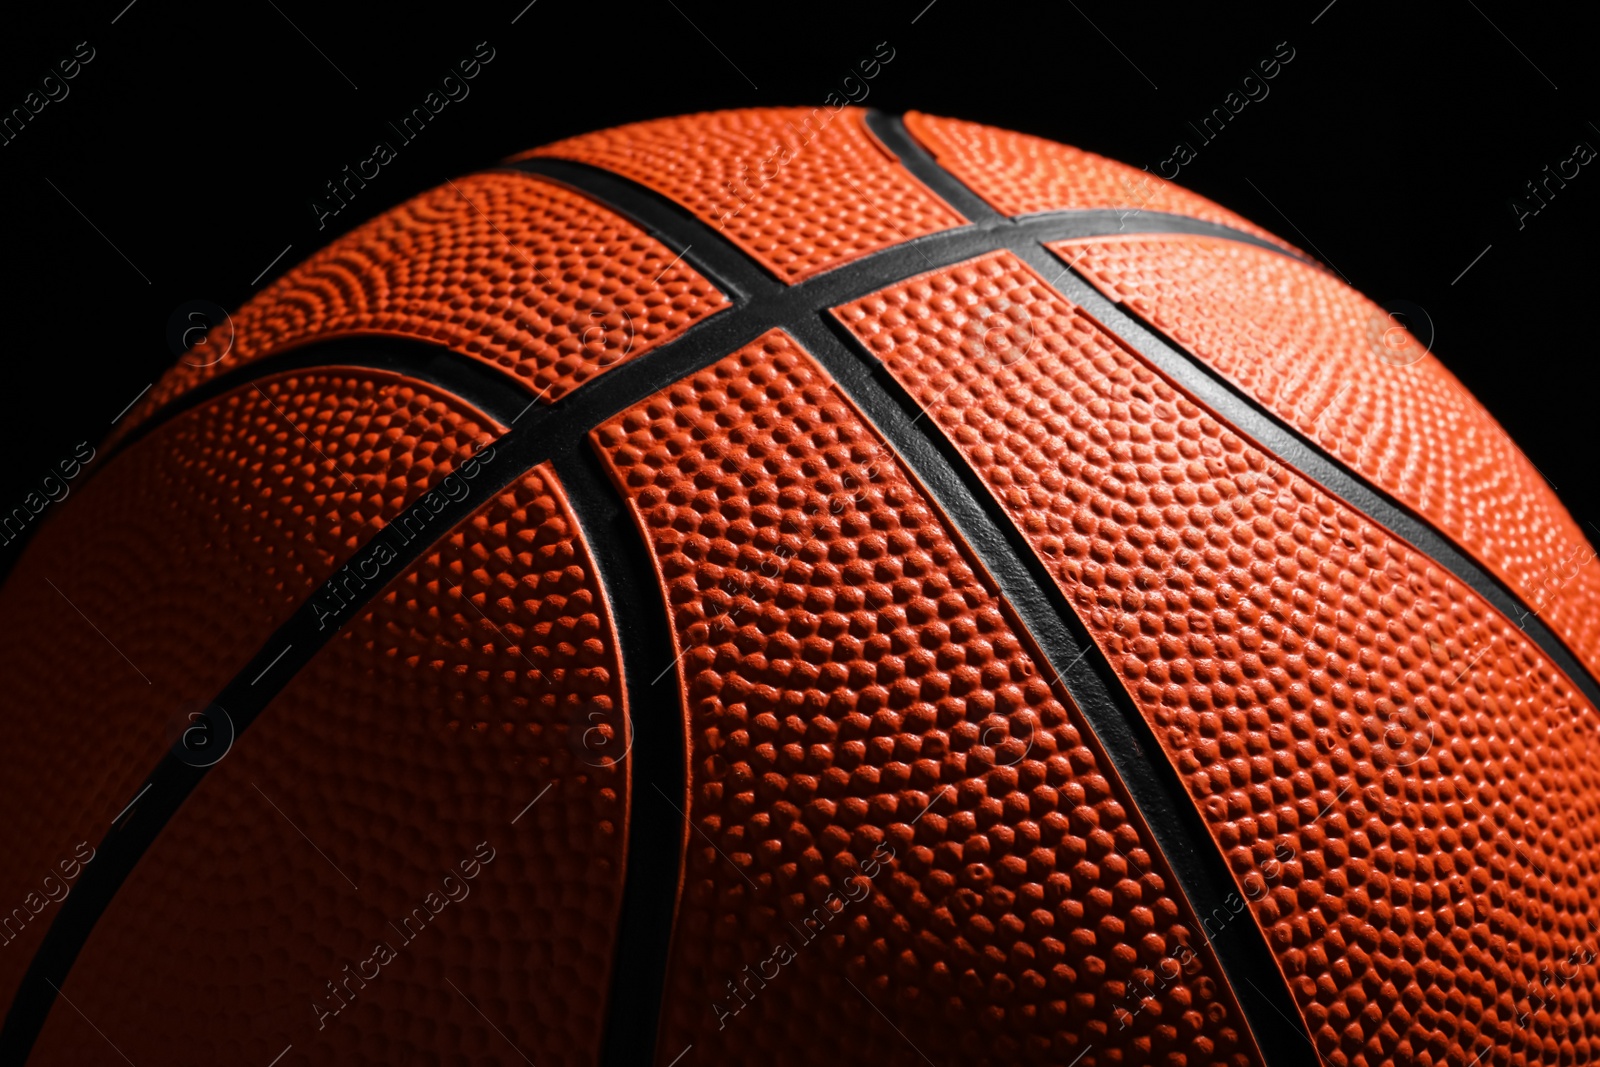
481 681
1019 174
1329 362
880 780
1407 790
524 275
169 573
895 815
800 190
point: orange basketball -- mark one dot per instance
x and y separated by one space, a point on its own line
797 587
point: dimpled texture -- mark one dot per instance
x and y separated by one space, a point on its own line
1405 787
1018 174
1334 366
518 273
483 678
881 779
160 578
800 190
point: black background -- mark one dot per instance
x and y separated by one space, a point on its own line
192 146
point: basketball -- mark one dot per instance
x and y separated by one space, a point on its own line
802 586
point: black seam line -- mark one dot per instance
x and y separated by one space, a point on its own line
709 252
710 249
493 390
1180 832
722 264
767 306
1288 446
534 437
549 434
1280 1043
483 387
1072 657
891 130
656 834
243 699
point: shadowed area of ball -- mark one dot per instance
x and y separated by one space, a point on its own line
752 586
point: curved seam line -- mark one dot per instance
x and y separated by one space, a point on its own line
654 861
1326 471
491 388
1050 226
170 783
765 306
616 188
1037 227
702 344
1006 227
1052 624
1036 247
172 780
920 160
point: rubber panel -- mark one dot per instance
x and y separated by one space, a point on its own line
896 816
1335 367
1405 787
1018 174
531 278
483 680
136 604
799 190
